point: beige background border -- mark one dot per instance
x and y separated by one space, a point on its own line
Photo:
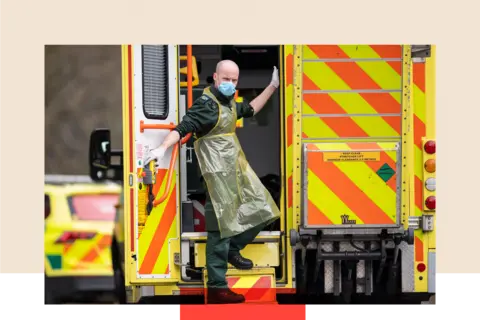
26 26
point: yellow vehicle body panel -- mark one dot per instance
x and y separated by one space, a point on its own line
351 184
75 247
361 101
119 228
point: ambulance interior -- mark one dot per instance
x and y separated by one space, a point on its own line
260 135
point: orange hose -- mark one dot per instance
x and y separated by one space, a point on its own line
173 159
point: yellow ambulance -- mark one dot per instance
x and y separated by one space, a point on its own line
79 219
349 139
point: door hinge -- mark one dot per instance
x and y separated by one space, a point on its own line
130 179
421 51
427 222
176 258
424 222
414 222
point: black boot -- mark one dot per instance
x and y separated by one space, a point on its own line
223 296
239 262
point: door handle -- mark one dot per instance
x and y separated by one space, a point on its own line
189 156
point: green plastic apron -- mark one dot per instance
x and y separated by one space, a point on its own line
239 199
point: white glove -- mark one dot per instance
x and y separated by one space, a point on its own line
275 81
154 154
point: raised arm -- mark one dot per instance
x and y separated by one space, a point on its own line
259 102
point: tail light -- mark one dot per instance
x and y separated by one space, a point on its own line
69 237
430 203
430 147
421 267
431 184
430 165
429 172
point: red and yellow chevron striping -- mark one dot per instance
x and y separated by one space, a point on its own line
346 192
256 285
255 288
347 94
95 253
289 125
160 226
419 131
103 243
334 69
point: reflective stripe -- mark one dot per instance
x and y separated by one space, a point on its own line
351 88
160 226
255 288
355 189
419 131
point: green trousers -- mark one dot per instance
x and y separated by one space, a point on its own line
218 249
217 253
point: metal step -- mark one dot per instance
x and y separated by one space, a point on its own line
256 285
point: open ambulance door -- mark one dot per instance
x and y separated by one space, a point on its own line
150 111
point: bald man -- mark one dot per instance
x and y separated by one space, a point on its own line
238 206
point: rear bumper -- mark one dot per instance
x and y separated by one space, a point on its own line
69 286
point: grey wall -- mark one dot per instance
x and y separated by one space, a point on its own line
82 92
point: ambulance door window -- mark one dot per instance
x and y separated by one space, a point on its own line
155 81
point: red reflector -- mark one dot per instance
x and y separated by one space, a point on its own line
421 267
69 237
430 202
430 147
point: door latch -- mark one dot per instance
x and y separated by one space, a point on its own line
149 179
189 155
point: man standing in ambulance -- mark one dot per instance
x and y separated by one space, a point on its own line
238 206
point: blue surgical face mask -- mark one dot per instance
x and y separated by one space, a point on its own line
227 88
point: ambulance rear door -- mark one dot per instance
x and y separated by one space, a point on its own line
150 107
